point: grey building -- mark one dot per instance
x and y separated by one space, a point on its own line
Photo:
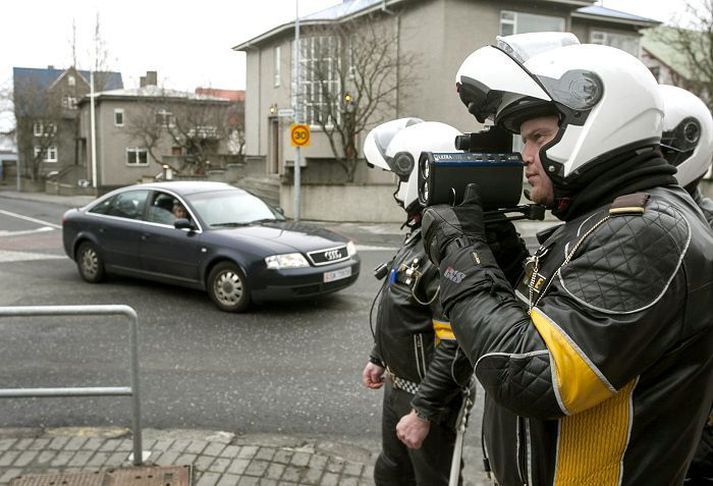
142 132
440 34
46 114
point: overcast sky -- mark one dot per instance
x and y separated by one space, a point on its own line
188 43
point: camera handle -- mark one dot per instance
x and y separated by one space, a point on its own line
533 212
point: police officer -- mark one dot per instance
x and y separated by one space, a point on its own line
409 323
601 358
687 143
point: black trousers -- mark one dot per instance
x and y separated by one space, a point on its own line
397 464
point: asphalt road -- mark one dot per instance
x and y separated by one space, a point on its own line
280 368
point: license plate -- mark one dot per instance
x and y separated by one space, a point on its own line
337 274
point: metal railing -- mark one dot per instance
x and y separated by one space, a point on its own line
88 310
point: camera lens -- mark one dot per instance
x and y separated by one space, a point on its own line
424 191
425 167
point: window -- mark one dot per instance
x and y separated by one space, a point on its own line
522 23
41 129
319 75
71 81
165 118
625 42
128 204
278 62
46 154
118 117
137 157
69 102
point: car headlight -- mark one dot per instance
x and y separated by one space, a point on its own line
351 249
288 260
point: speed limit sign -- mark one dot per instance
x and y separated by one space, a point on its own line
299 135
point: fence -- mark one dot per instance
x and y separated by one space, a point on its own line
88 310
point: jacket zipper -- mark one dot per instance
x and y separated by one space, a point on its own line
420 358
522 452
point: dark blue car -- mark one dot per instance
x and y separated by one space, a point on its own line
207 235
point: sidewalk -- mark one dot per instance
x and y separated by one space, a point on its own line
216 458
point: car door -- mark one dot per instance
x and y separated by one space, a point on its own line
167 252
117 227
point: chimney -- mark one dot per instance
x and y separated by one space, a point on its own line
151 79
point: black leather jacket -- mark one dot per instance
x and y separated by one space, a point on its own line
405 339
598 369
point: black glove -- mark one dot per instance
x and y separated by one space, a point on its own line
442 225
508 249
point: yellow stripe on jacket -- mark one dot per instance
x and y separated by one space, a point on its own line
443 330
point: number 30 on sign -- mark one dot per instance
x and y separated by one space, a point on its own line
299 135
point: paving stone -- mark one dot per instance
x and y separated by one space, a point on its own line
202 463
8 457
282 456
45 457
229 480
238 466
330 479
186 459
274 471
300 459
75 443
110 445
335 465
249 481
220 465
39 444
117 459
214 449
62 458
349 481
268 482
265 453
81 458
208 479
99 459
196 447
25 458
125 445
163 444
6 444
147 445
93 444
312 475
317 461
180 445
256 468
230 451
292 473
9 475
353 469
167 458
247 452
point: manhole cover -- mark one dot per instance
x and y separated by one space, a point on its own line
130 476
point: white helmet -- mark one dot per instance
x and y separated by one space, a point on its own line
397 145
687 140
607 102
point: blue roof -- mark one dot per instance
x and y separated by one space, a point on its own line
599 11
44 78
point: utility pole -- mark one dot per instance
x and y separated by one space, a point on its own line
92 121
298 115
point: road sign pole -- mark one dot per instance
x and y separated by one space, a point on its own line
298 115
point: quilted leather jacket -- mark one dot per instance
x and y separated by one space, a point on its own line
408 319
598 367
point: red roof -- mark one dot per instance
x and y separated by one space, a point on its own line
228 94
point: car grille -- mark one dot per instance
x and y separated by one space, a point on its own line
329 255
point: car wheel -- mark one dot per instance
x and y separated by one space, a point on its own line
228 288
90 263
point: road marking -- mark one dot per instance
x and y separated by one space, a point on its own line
44 229
27 218
7 256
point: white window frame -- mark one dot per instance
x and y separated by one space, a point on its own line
49 154
119 111
69 102
71 80
38 129
278 66
310 103
506 20
136 151
605 38
166 118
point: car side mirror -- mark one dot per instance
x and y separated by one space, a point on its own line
280 210
183 223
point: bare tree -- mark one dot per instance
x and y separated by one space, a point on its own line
693 41
203 130
351 77
38 119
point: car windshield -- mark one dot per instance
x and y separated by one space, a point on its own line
232 208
